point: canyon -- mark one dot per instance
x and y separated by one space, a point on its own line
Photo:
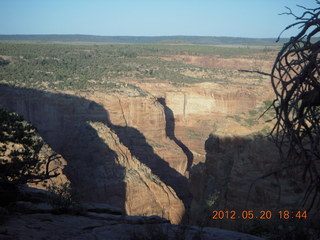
116 146
175 150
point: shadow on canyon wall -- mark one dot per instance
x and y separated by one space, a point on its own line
135 141
170 127
62 121
242 174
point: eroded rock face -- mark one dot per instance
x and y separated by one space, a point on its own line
145 193
232 179
184 103
101 160
112 142
200 108
142 116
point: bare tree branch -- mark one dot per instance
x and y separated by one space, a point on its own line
259 72
295 78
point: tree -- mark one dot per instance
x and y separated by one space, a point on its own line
3 62
295 79
20 162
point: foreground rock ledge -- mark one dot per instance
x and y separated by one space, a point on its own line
93 225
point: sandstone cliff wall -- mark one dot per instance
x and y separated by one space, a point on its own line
146 115
232 179
101 166
139 129
209 102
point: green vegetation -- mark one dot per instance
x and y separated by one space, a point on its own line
107 66
253 112
20 160
254 117
136 39
265 130
3 62
192 133
267 103
62 196
251 122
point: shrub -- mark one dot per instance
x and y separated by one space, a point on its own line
62 196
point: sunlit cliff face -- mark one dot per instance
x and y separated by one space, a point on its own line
136 151
133 152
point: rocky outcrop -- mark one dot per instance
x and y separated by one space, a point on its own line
147 116
28 220
200 108
106 226
242 174
110 141
105 163
145 194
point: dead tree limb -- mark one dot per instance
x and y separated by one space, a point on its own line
295 79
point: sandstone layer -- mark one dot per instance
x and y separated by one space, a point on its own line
242 174
200 109
99 166
166 137
164 132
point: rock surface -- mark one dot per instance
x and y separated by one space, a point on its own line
199 109
98 226
35 218
101 166
242 174
134 153
145 194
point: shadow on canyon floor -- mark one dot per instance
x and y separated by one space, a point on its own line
63 122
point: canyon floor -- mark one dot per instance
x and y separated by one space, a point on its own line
175 131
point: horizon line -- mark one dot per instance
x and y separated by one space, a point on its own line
151 36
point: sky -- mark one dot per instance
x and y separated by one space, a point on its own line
232 18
